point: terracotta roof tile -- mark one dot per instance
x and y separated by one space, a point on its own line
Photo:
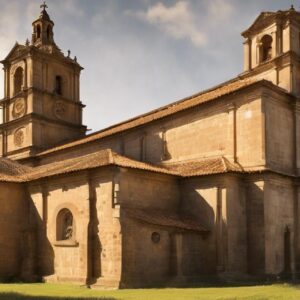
186 103
10 167
208 166
91 161
15 172
165 219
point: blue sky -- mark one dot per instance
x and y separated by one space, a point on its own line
141 54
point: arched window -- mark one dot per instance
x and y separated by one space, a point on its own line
58 85
65 225
38 31
48 32
266 48
18 80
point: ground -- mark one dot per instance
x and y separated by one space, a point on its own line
62 291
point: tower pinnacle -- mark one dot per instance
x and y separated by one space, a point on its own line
43 28
44 6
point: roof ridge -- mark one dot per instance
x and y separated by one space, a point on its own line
110 156
224 163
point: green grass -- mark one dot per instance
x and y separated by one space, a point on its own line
65 291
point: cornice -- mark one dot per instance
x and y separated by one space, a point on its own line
31 51
28 148
276 62
31 117
30 90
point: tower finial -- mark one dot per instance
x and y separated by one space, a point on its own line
44 6
292 7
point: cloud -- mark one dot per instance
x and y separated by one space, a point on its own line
178 21
219 9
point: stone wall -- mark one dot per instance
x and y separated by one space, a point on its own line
280 133
255 226
146 190
279 208
13 223
59 260
219 204
145 263
227 127
106 234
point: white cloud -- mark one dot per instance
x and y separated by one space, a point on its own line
178 21
219 9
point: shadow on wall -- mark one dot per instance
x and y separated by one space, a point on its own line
36 250
94 243
255 230
16 296
201 254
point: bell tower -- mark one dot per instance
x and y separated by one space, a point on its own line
43 29
41 106
272 49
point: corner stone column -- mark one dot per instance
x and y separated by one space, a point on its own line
247 55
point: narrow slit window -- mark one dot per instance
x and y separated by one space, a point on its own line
58 85
38 31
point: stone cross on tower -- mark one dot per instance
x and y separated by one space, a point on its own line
44 5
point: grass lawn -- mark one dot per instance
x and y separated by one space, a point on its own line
64 291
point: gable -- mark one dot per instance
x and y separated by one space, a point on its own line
15 52
263 20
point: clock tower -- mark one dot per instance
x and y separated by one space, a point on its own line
41 106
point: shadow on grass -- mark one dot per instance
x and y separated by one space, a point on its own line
16 296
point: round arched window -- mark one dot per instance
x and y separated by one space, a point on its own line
266 48
18 80
65 227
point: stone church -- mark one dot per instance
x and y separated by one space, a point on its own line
206 188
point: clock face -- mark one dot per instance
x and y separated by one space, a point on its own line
19 108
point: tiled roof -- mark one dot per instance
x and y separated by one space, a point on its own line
208 166
186 103
90 161
10 167
11 170
165 219
15 172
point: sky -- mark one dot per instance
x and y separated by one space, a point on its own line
139 55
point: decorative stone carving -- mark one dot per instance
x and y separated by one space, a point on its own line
19 137
19 108
59 109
